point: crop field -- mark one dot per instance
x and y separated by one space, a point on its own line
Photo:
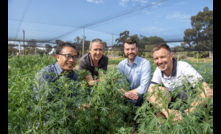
108 111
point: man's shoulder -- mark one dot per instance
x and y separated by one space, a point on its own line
105 57
123 62
142 60
49 68
182 64
74 74
103 60
84 57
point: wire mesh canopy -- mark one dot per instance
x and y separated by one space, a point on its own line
51 20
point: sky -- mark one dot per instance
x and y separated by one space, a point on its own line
50 20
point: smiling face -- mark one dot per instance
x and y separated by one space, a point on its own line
164 60
130 51
67 64
97 51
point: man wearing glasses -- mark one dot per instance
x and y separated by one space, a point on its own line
66 56
93 61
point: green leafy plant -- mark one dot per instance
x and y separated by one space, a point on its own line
199 121
107 110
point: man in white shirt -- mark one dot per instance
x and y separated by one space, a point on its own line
171 74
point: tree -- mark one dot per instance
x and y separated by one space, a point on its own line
151 42
105 44
123 36
48 48
77 40
32 43
11 50
58 42
200 36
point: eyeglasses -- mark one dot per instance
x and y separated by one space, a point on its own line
68 56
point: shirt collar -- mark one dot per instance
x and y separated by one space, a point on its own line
99 62
174 68
59 70
135 61
91 62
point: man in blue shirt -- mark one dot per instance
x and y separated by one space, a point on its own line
137 71
66 56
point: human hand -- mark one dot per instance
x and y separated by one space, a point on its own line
131 95
187 111
84 106
178 114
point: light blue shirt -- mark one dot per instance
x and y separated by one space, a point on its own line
138 73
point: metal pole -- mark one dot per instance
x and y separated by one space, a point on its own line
197 56
83 43
24 41
19 47
112 39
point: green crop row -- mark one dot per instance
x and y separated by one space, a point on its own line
109 112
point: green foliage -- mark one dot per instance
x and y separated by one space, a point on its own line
206 70
201 34
106 113
200 121
21 71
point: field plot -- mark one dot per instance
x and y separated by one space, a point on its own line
108 112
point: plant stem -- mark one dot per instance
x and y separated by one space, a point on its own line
39 103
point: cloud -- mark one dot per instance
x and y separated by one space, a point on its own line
153 29
142 2
123 2
180 3
178 16
155 4
147 12
96 1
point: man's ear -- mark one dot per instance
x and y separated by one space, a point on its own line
171 55
57 57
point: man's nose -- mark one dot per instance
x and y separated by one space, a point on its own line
71 59
160 60
98 51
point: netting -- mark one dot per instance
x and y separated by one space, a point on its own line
46 22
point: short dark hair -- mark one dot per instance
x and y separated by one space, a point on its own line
162 45
65 44
130 41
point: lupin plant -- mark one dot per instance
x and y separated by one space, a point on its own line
199 121
107 110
